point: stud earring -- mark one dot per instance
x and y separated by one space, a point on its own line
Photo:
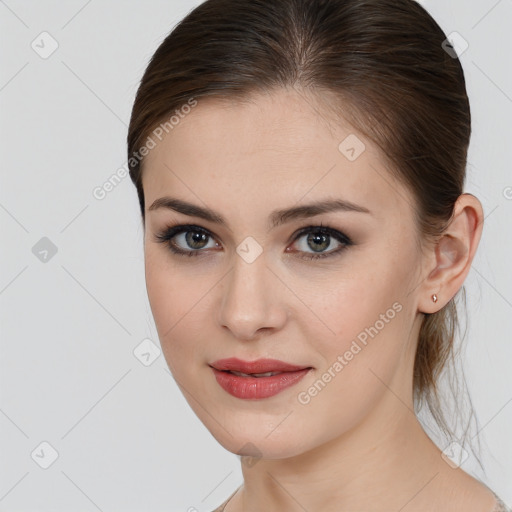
434 297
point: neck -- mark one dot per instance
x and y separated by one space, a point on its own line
353 472
384 462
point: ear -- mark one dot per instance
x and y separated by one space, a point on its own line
453 254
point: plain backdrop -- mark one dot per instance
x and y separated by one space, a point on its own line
115 432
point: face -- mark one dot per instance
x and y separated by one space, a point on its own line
334 291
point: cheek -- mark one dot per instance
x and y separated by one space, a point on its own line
364 318
171 292
350 302
167 295
159 283
178 300
359 362
369 342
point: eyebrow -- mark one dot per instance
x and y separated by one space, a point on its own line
277 217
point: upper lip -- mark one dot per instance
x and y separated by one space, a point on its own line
258 366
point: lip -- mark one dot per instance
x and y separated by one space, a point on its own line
255 388
258 366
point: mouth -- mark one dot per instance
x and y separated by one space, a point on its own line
258 368
257 375
259 379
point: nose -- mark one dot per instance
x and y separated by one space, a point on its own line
252 300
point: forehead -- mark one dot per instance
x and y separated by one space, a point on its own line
272 150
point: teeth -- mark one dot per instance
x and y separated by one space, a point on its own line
268 374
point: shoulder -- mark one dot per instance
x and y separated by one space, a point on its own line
500 505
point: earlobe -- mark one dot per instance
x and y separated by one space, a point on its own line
454 253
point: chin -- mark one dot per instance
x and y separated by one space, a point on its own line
253 442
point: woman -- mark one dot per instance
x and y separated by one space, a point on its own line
300 168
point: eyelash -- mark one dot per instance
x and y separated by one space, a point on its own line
170 232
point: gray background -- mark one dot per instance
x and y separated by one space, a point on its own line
70 321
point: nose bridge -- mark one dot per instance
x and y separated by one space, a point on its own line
251 299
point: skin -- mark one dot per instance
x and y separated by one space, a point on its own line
357 445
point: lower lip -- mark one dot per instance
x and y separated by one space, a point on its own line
253 388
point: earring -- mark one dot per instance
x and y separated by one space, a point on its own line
434 297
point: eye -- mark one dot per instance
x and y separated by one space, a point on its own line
190 236
320 238
190 240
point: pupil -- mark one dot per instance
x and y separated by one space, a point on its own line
317 238
194 237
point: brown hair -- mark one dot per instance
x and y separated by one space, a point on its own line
384 60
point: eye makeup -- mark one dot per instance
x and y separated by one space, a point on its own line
316 234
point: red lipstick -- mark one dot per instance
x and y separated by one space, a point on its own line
258 379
